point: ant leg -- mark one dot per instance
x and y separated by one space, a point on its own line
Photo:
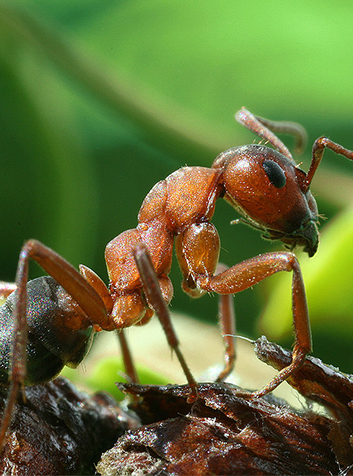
153 293
318 151
197 251
75 284
129 365
96 282
69 278
226 320
264 127
17 369
252 271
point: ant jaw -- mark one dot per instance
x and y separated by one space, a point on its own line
307 237
312 240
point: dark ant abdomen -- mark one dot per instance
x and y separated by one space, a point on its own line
50 344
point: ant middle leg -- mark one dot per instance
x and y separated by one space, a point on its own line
129 365
153 293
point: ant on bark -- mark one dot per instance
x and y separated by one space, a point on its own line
65 308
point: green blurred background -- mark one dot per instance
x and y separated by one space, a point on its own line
100 99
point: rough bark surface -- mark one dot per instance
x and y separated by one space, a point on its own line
59 430
223 432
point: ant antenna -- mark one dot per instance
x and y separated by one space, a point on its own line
237 336
266 128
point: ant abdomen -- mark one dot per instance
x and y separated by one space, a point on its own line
51 343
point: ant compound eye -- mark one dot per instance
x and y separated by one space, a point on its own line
275 173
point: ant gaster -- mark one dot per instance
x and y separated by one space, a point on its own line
268 189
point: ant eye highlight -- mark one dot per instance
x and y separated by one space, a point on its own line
275 173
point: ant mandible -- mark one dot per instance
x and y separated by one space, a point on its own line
268 189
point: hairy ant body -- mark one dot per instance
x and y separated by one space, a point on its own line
268 189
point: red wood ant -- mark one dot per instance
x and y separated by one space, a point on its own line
268 189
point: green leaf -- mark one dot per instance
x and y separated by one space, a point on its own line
105 372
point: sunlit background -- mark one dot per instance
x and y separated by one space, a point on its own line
100 99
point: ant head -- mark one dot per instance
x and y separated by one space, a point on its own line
270 191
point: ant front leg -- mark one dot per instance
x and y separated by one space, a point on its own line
252 271
197 250
198 263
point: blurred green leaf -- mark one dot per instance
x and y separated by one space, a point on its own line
39 150
208 58
103 374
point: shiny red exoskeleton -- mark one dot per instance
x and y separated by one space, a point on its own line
263 184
